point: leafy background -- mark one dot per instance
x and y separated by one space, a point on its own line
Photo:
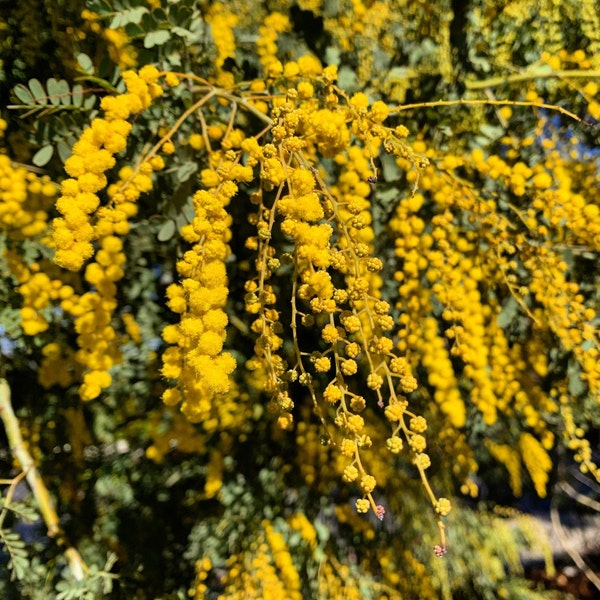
160 507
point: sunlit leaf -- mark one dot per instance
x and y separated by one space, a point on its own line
133 15
85 63
43 156
156 38
53 91
23 94
77 95
37 90
167 231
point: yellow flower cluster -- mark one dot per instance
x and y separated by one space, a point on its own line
170 430
93 312
84 221
58 366
266 44
283 561
451 316
93 155
265 572
575 437
195 356
203 567
537 462
97 350
222 23
214 474
313 456
440 373
39 292
358 26
299 522
337 582
120 49
96 338
24 200
330 229
511 459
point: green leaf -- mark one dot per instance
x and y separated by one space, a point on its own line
133 15
133 30
89 102
387 195
77 95
389 168
509 312
184 33
24 511
188 212
186 170
396 74
53 91
85 63
179 14
167 231
64 150
159 15
38 91
99 6
148 23
576 384
42 156
347 80
23 94
156 38
20 565
16 545
64 92
490 131
332 56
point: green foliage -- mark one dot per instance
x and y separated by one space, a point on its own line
216 500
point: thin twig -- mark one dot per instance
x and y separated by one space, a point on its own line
529 75
581 498
464 102
569 548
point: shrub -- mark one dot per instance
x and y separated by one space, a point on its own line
271 307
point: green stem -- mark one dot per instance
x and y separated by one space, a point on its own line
40 491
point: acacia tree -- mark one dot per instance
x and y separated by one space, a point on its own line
272 308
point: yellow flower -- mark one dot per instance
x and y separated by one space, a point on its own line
418 424
443 506
349 367
330 334
350 473
417 442
332 393
322 364
394 444
367 483
394 412
355 423
379 112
